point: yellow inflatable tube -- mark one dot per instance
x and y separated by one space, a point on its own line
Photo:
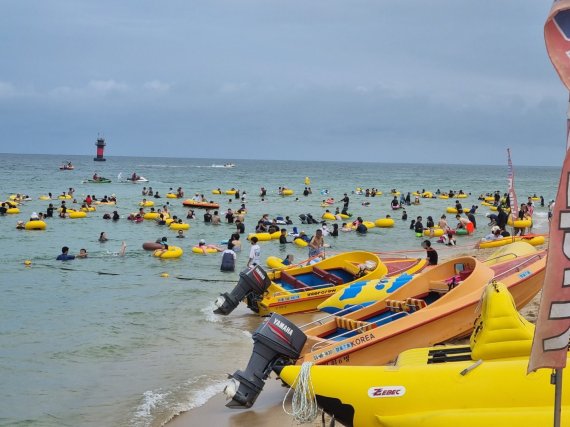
76 214
262 237
171 252
62 197
520 223
35 225
451 210
287 192
44 198
461 196
198 250
89 209
178 226
443 196
276 263
171 196
147 204
300 242
384 222
436 232
151 215
230 192
216 192
13 211
329 216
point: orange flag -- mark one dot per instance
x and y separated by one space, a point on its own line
550 344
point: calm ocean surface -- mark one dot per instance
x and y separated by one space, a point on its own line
107 341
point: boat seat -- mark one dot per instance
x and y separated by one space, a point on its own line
396 306
329 277
438 286
352 325
415 304
293 281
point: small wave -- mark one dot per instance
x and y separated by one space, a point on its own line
143 414
159 407
209 314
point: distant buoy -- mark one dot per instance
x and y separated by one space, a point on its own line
27 262
164 275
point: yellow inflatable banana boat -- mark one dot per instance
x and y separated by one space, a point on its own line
481 384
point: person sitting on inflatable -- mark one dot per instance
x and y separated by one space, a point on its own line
204 247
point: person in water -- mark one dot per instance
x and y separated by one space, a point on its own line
64 256
103 237
82 253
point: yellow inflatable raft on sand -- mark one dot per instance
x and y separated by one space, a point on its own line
171 252
480 384
532 239
384 222
35 225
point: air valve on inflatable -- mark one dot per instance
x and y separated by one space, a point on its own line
251 285
275 342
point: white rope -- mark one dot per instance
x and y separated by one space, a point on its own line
304 402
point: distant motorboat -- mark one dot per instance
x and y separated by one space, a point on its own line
138 179
67 166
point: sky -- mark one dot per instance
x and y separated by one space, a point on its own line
413 81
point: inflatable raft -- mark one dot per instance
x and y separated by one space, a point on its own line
481 384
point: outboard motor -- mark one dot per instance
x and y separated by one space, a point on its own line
276 342
251 285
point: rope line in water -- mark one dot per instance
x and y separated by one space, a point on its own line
304 407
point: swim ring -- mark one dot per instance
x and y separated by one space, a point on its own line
147 204
384 222
171 252
178 226
77 214
198 250
35 225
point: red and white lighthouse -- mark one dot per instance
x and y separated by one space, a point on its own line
100 148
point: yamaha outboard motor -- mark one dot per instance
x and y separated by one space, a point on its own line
251 285
276 342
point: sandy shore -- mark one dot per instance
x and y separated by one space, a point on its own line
268 410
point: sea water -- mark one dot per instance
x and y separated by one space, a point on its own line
108 341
